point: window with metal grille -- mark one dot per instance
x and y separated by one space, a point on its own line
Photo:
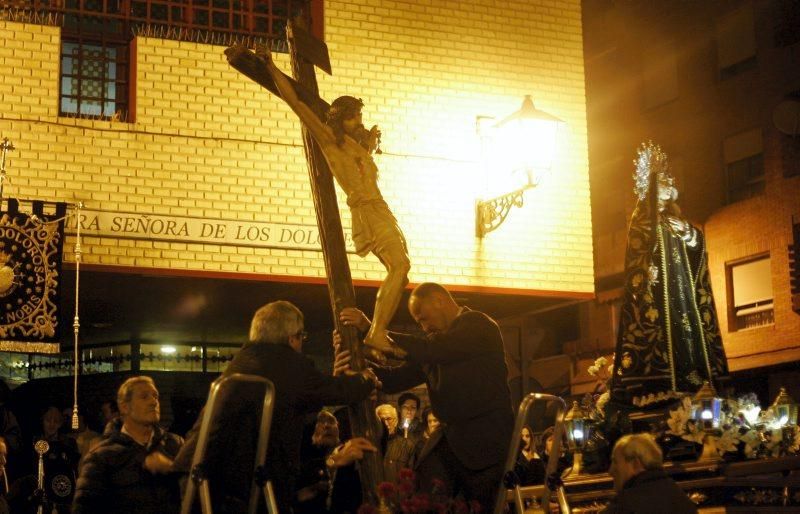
254 19
97 34
94 79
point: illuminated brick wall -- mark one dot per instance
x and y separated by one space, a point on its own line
208 143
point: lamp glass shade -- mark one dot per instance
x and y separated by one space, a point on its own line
578 427
527 142
784 409
707 407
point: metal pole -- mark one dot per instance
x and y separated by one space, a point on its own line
5 147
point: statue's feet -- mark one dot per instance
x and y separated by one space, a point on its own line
379 340
375 355
377 346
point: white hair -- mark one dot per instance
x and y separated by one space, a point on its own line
275 322
642 448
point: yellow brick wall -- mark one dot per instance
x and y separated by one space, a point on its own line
208 143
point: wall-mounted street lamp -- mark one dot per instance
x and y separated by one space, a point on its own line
527 142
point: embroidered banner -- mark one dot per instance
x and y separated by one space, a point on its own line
30 277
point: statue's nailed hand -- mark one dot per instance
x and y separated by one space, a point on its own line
263 52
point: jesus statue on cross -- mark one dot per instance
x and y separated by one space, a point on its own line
348 147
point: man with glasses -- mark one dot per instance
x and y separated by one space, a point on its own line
273 351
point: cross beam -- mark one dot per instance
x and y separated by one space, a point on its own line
306 51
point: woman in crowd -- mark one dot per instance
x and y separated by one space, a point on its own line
530 466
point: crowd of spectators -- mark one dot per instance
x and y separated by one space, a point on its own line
137 467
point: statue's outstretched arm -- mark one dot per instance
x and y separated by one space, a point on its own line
307 116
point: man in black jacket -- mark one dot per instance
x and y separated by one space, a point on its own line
129 471
640 481
273 351
462 361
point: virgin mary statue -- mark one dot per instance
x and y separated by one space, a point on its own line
668 339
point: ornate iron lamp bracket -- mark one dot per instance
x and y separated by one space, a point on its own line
490 214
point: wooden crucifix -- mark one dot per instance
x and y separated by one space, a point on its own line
337 144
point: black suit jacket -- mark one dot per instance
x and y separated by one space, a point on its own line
651 492
466 374
300 389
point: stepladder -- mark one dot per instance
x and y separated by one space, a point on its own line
510 480
198 487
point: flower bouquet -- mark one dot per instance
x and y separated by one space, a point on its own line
403 497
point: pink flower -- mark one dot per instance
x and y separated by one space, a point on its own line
406 488
460 507
366 509
407 506
387 489
405 474
422 502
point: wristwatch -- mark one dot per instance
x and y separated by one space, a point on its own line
330 463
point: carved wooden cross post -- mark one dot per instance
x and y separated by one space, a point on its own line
305 52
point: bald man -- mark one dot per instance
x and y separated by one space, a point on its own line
462 361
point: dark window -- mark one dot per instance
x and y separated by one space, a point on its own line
745 178
790 155
787 27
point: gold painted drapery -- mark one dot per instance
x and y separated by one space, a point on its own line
668 339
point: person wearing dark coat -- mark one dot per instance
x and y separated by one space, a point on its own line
273 351
462 361
130 470
640 481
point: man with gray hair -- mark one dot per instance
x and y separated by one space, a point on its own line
642 485
273 351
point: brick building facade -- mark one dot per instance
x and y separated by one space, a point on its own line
703 80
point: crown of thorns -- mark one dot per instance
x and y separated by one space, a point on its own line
344 106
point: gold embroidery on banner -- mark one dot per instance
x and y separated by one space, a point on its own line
29 279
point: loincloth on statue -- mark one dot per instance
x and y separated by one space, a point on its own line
375 228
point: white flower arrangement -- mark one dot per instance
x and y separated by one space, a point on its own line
595 368
761 435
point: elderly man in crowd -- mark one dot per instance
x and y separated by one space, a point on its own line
273 351
399 451
640 481
129 470
462 361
